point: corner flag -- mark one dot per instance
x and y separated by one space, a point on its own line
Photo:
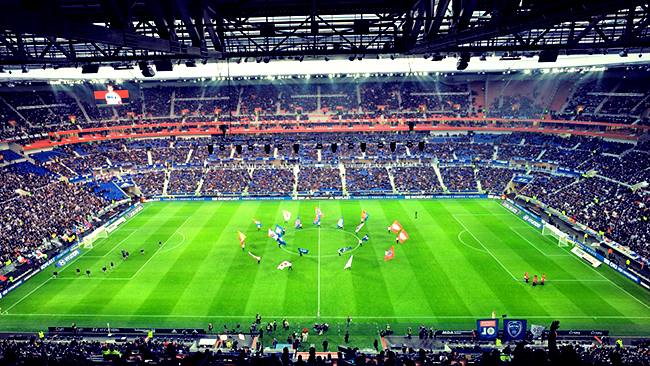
389 254
349 264
395 227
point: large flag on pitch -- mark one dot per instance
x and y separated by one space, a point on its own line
272 234
303 251
359 227
364 216
403 236
319 212
395 227
316 220
257 223
242 237
254 256
339 225
389 254
349 264
286 214
298 223
281 241
284 265
279 231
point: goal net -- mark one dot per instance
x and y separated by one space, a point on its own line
561 237
88 241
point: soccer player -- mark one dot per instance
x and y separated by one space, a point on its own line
535 280
56 274
160 244
112 265
127 254
78 271
104 269
543 279
526 277
416 215
142 251
88 272
389 229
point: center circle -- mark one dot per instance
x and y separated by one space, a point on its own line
341 237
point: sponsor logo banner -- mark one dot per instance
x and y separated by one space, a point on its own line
487 328
72 255
510 207
12 287
531 220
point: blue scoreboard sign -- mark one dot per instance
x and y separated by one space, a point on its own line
514 329
487 328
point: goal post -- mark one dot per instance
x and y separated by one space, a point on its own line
562 238
89 240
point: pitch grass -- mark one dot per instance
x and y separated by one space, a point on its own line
464 259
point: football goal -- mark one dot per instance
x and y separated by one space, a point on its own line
562 238
88 241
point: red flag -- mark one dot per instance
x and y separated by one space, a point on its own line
395 227
389 254
403 236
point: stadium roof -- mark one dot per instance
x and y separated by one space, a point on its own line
118 32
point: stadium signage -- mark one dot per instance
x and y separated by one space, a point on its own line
538 225
622 270
424 196
72 255
583 333
510 207
453 333
127 330
647 287
12 287
134 211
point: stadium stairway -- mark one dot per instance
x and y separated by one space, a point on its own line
478 181
199 187
319 153
568 99
496 152
437 170
189 156
166 181
171 110
149 159
602 103
296 171
391 179
541 153
342 174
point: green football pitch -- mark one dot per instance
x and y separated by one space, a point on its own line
464 259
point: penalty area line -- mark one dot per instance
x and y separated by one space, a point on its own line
484 247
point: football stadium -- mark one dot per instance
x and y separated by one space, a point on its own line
283 182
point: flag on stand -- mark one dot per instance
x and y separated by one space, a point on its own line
257 223
272 234
316 220
364 216
279 230
403 236
339 225
287 215
359 227
284 265
254 256
242 237
389 254
349 264
395 227
303 251
298 223
319 213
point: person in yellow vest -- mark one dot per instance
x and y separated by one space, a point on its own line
619 342
41 335
498 342
150 335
